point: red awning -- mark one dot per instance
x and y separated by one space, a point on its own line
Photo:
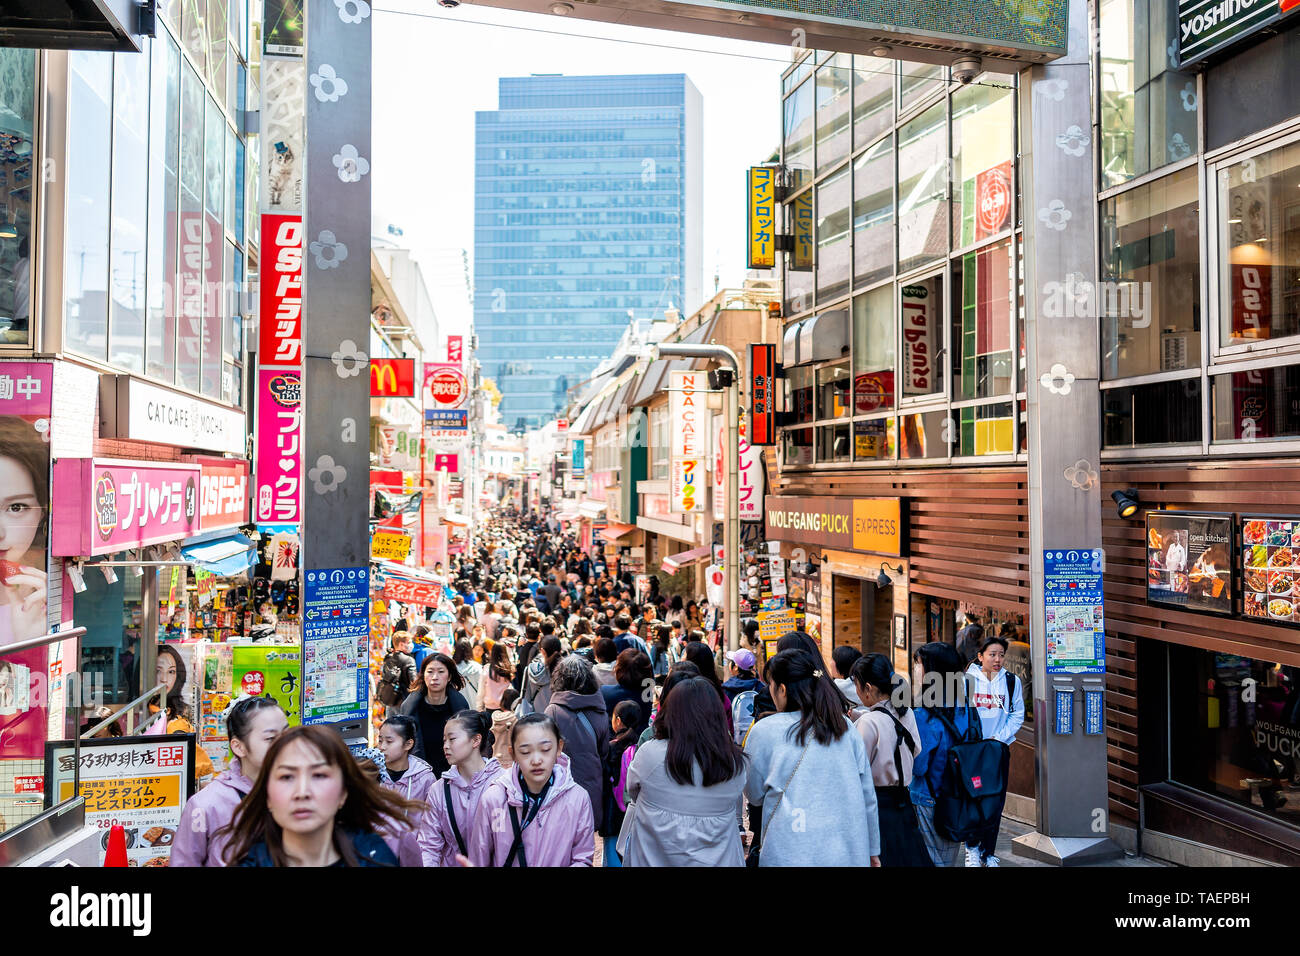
675 562
614 531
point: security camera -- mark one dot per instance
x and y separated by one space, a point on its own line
965 69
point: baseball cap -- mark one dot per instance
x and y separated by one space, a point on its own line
743 659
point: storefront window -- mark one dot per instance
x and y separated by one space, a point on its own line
1259 247
1147 111
873 98
85 281
799 394
873 213
798 126
922 189
982 124
797 447
921 317
833 238
1240 746
112 612
1161 413
834 112
659 443
130 201
874 439
1258 405
924 435
833 443
981 329
873 351
1149 299
918 81
193 34
17 109
985 430
164 177
833 392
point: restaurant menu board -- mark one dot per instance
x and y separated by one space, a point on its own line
1189 561
1270 558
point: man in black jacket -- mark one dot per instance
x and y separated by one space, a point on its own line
552 592
398 670
532 635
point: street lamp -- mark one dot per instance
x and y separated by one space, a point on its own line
731 517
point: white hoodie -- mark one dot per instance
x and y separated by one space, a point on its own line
999 718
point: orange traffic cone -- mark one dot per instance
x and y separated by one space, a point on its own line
115 854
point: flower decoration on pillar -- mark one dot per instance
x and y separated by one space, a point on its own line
1055 215
327 475
328 84
350 164
1081 475
327 249
1073 142
352 11
1058 381
348 360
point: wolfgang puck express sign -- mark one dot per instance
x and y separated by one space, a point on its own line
869 525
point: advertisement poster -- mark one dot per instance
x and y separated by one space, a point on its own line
269 670
1189 561
1075 623
25 405
336 638
390 545
278 499
918 341
686 485
284 110
140 782
1270 585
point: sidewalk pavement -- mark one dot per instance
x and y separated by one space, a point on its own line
1012 829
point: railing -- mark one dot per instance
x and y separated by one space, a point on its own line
148 695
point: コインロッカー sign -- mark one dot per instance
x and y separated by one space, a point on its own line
868 525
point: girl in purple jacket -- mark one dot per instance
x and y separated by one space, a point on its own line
404 773
537 814
253 724
454 800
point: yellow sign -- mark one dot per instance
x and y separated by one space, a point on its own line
774 625
762 217
877 525
805 234
125 794
390 545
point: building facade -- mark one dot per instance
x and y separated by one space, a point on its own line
588 194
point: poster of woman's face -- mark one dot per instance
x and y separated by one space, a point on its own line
24 498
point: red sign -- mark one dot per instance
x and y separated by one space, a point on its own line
413 592
279 339
223 493
455 349
446 385
279 446
1252 301
29 784
873 391
762 394
392 378
561 424
449 463
993 201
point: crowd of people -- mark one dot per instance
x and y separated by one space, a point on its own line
578 721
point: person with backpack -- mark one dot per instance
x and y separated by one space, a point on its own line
999 703
889 732
535 693
810 772
622 748
578 710
660 651
397 673
454 800
683 787
740 674
633 681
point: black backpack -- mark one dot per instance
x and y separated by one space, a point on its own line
389 689
974 782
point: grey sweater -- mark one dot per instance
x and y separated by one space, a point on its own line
827 816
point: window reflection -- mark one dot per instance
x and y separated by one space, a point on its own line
85 282
129 186
873 213
833 111
798 125
922 189
982 123
833 392
873 439
924 435
921 316
873 351
981 331
873 98
17 110
833 238
985 430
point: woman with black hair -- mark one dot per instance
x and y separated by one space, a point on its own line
940 687
889 732
633 681
433 700
536 688
683 786
810 772
454 801
171 674
1000 706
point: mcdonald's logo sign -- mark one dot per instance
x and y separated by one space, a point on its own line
392 378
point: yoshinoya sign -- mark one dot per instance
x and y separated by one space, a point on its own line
1207 26
866 525
137 410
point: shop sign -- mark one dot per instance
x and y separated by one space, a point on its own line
686 485
762 394
1076 633
446 423
100 505
279 335
392 378
1270 568
1189 561
873 391
762 217
578 467
336 642
223 497
146 412
774 625
447 462
918 341
753 476
456 349
279 446
444 385
269 670
866 525
688 418
1206 28
390 545
993 201
425 593
801 216
141 783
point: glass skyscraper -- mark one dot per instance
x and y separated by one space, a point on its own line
588 207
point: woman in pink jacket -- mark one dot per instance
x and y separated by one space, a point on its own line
405 774
253 724
535 815
454 800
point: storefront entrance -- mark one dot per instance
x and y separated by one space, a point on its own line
863 614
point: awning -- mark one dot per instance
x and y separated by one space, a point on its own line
566 516
824 337
224 557
675 562
591 509
613 531
453 517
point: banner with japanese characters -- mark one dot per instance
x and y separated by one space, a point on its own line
141 783
269 670
752 475
278 499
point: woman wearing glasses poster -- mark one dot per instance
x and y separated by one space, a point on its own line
24 497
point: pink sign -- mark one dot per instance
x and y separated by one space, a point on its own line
448 463
279 447
101 505
25 388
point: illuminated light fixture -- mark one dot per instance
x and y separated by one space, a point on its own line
882 579
561 9
1126 502
881 51
1233 221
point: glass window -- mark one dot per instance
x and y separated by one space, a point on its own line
873 213
1161 413
798 286
1259 247
1257 405
921 316
85 280
833 443
189 331
798 125
193 34
17 111
834 112
218 47
981 328
234 187
833 247
164 178
113 616
799 394
1149 300
918 80
833 392
797 447
873 439
982 124
985 430
659 443
1147 111
130 203
925 435
922 189
873 351
873 98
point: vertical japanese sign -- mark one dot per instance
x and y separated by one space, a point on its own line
25 409
1076 637
578 467
456 349
762 394
688 421
751 484
336 637
278 500
762 217
804 231
686 485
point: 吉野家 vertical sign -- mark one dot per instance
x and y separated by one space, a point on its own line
762 394
762 217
